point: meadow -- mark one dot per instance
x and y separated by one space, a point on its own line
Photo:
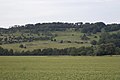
43 44
59 68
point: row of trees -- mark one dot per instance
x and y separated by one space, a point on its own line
19 39
59 26
25 37
98 27
103 49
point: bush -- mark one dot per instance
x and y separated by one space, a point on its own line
93 42
22 46
61 41
0 43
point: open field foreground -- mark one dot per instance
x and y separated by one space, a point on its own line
59 68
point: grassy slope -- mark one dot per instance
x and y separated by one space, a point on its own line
65 36
60 68
42 45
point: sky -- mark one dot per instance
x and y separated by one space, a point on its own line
20 12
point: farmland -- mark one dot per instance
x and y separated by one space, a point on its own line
59 68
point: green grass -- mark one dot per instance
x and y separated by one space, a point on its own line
42 45
59 68
62 35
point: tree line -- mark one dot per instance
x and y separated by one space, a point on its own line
101 50
60 26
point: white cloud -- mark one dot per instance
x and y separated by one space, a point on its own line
25 11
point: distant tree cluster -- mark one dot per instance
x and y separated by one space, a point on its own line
42 27
97 27
110 38
59 26
9 39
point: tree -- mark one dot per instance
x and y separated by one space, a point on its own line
117 51
95 36
1 39
93 42
61 41
22 46
84 37
1 51
55 40
104 38
105 49
11 52
103 30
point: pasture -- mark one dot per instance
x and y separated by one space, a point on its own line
59 68
42 45
71 36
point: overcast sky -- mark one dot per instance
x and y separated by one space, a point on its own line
14 12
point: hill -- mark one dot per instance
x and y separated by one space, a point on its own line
60 35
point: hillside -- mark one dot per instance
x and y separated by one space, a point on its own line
59 35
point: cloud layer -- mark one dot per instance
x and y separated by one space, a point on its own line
31 11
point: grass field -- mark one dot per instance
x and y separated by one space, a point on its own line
59 68
42 45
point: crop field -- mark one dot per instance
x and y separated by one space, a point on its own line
59 68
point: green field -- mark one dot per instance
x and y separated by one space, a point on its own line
42 45
59 68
